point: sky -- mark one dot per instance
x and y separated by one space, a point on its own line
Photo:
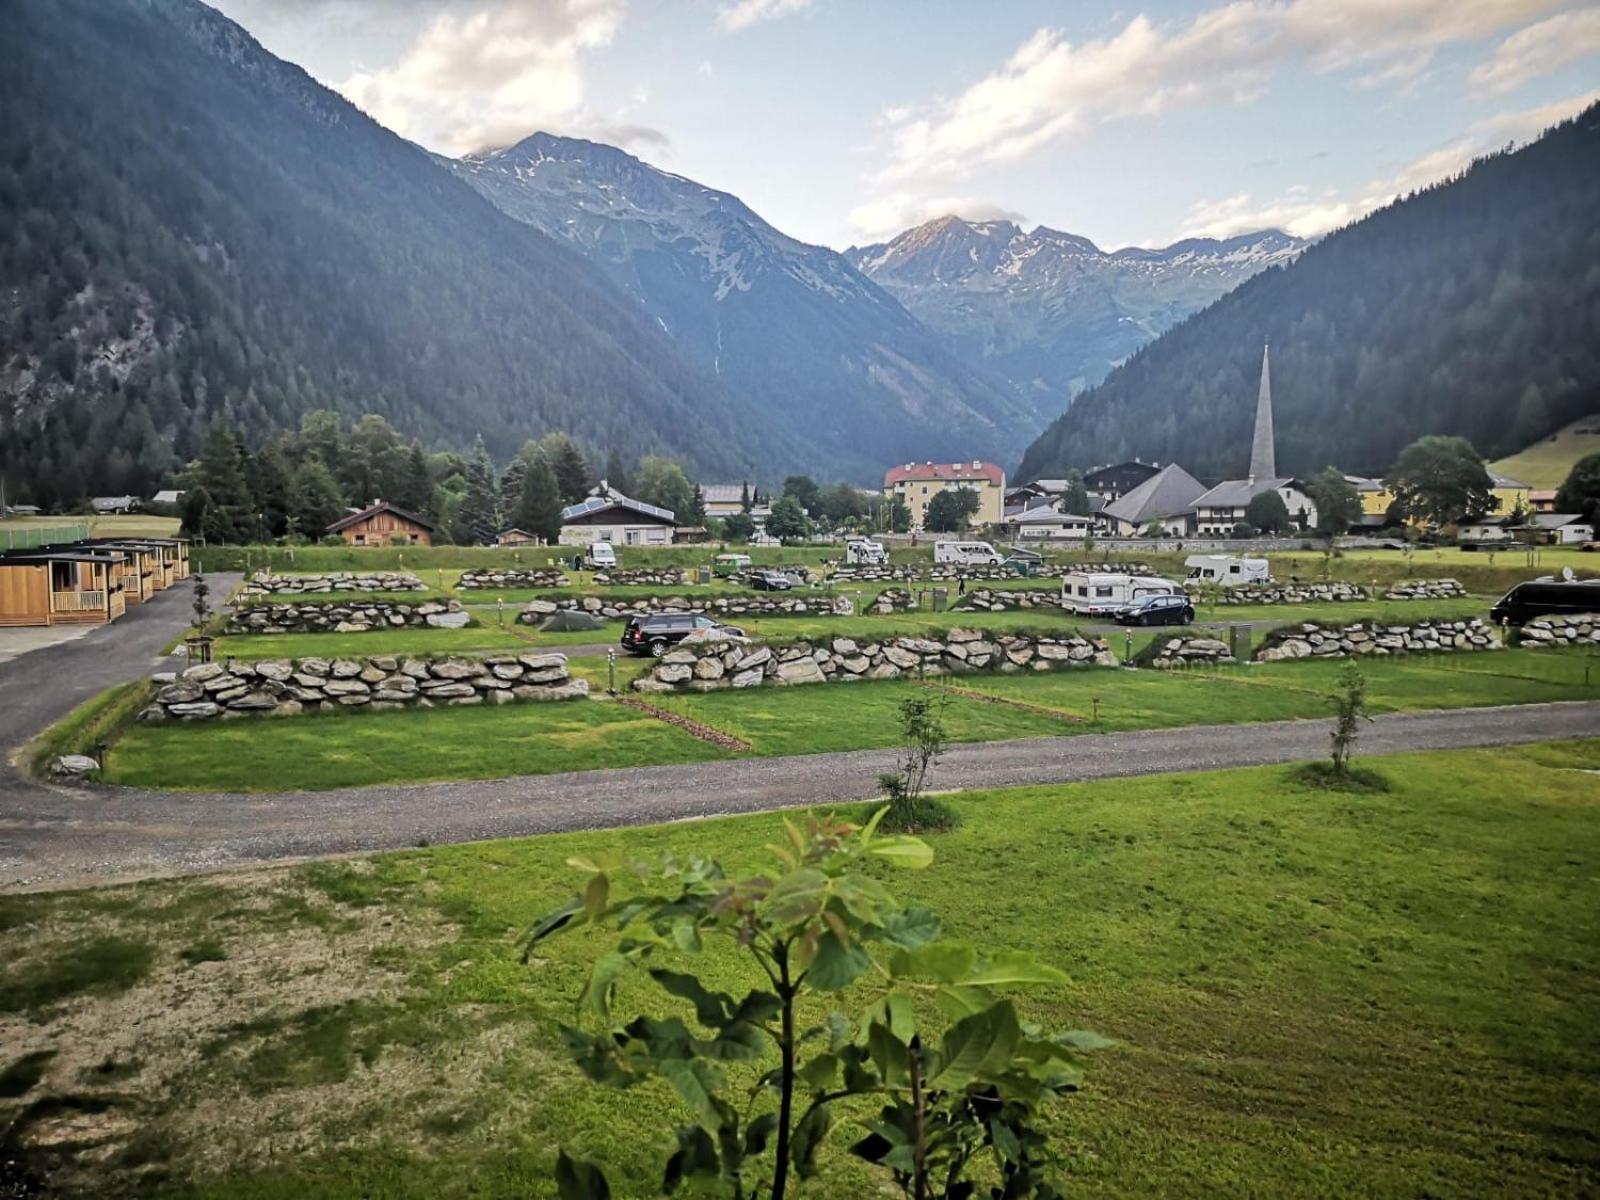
844 122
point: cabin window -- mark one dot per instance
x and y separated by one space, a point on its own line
361 539
1102 591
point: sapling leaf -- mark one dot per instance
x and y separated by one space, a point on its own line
910 928
836 964
903 851
580 1180
1008 968
710 1008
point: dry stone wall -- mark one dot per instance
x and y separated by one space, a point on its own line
341 616
291 687
263 584
1006 599
642 577
512 577
892 600
1285 593
1312 640
713 665
1426 589
1182 650
775 604
1580 629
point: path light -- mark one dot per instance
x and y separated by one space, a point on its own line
1127 655
1096 702
611 669
500 611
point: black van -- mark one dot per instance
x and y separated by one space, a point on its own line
1547 598
653 633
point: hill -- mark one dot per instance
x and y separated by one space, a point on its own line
827 357
1471 308
1545 464
191 228
1050 312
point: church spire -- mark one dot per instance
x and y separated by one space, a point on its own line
1263 458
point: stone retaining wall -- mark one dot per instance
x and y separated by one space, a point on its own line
291 687
1006 599
773 604
1182 649
344 616
1311 640
1426 589
262 584
1576 630
954 571
892 600
512 577
709 666
1283 593
642 577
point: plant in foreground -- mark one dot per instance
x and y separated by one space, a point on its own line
957 1096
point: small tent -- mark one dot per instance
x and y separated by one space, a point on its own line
568 622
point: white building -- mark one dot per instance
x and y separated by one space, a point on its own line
609 516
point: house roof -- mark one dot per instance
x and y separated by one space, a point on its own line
1366 483
615 499
1132 465
723 493
1045 515
1237 493
35 557
1170 491
1556 520
167 496
974 471
1504 481
104 502
372 510
513 529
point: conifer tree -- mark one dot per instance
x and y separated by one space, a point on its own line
478 518
539 507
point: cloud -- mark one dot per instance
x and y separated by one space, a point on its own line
1540 49
1296 211
1050 88
744 13
629 137
489 75
894 214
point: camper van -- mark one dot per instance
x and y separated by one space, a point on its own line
859 552
967 554
1227 570
600 554
1103 593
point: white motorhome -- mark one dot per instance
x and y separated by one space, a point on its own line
860 552
1103 592
600 554
1227 570
967 554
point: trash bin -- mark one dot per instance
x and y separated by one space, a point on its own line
941 599
1239 641
703 575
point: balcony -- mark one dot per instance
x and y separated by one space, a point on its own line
71 602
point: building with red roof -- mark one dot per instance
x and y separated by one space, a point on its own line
918 483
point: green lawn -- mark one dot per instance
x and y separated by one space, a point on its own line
475 638
1314 995
342 749
1547 462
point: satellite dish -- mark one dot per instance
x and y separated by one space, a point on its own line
1566 575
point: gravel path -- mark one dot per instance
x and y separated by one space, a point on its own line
54 837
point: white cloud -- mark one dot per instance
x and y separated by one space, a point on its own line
1530 122
1540 49
1050 87
744 13
491 75
890 215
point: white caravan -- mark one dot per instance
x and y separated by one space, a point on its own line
967 554
859 552
600 554
1092 593
1227 570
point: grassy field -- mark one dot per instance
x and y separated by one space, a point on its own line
1545 464
132 525
1314 995
347 749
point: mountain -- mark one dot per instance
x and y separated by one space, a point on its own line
1051 312
825 355
191 228
1471 308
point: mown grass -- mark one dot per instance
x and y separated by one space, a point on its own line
341 750
483 637
97 720
1314 994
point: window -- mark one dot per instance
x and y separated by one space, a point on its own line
1102 590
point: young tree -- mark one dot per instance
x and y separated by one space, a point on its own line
196 509
788 521
314 499
738 527
899 516
949 511
539 507
1440 480
1338 503
1076 500
1349 710
922 735
1580 493
567 461
617 472
746 503
697 507
1268 513
958 1097
415 493
804 489
221 470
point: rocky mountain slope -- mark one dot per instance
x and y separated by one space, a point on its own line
1051 312
826 355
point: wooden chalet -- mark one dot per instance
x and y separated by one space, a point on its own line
62 586
162 561
382 524
517 537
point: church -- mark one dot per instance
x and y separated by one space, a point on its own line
1218 510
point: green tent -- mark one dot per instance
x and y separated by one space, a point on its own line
566 622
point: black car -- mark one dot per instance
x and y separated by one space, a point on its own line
1546 598
652 633
771 581
1157 610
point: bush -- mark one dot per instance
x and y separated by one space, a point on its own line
1325 777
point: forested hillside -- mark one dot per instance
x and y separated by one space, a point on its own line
191 229
1471 309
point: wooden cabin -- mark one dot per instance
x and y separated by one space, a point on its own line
517 537
167 560
62 587
142 575
382 524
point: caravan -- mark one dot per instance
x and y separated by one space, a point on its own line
1227 570
1103 593
967 554
862 552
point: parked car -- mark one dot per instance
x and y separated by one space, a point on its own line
653 633
1546 598
1157 610
771 581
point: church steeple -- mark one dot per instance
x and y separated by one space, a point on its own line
1263 457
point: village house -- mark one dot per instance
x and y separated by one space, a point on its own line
109 505
516 537
725 499
609 516
382 524
1045 522
1117 480
918 483
1163 503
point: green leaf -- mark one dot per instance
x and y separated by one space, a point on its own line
808 1137
982 1041
961 1001
903 851
758 1132
551 922
1011 967
835 966
602 982
871 827
889 1054
1005 1140
901 1016
941 962
696 1158
596 895
696 1084
1082 1039
910 928
819 1072
798 896
710 1008
838 1031
865 899
734 1042
580 1180
757 1007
